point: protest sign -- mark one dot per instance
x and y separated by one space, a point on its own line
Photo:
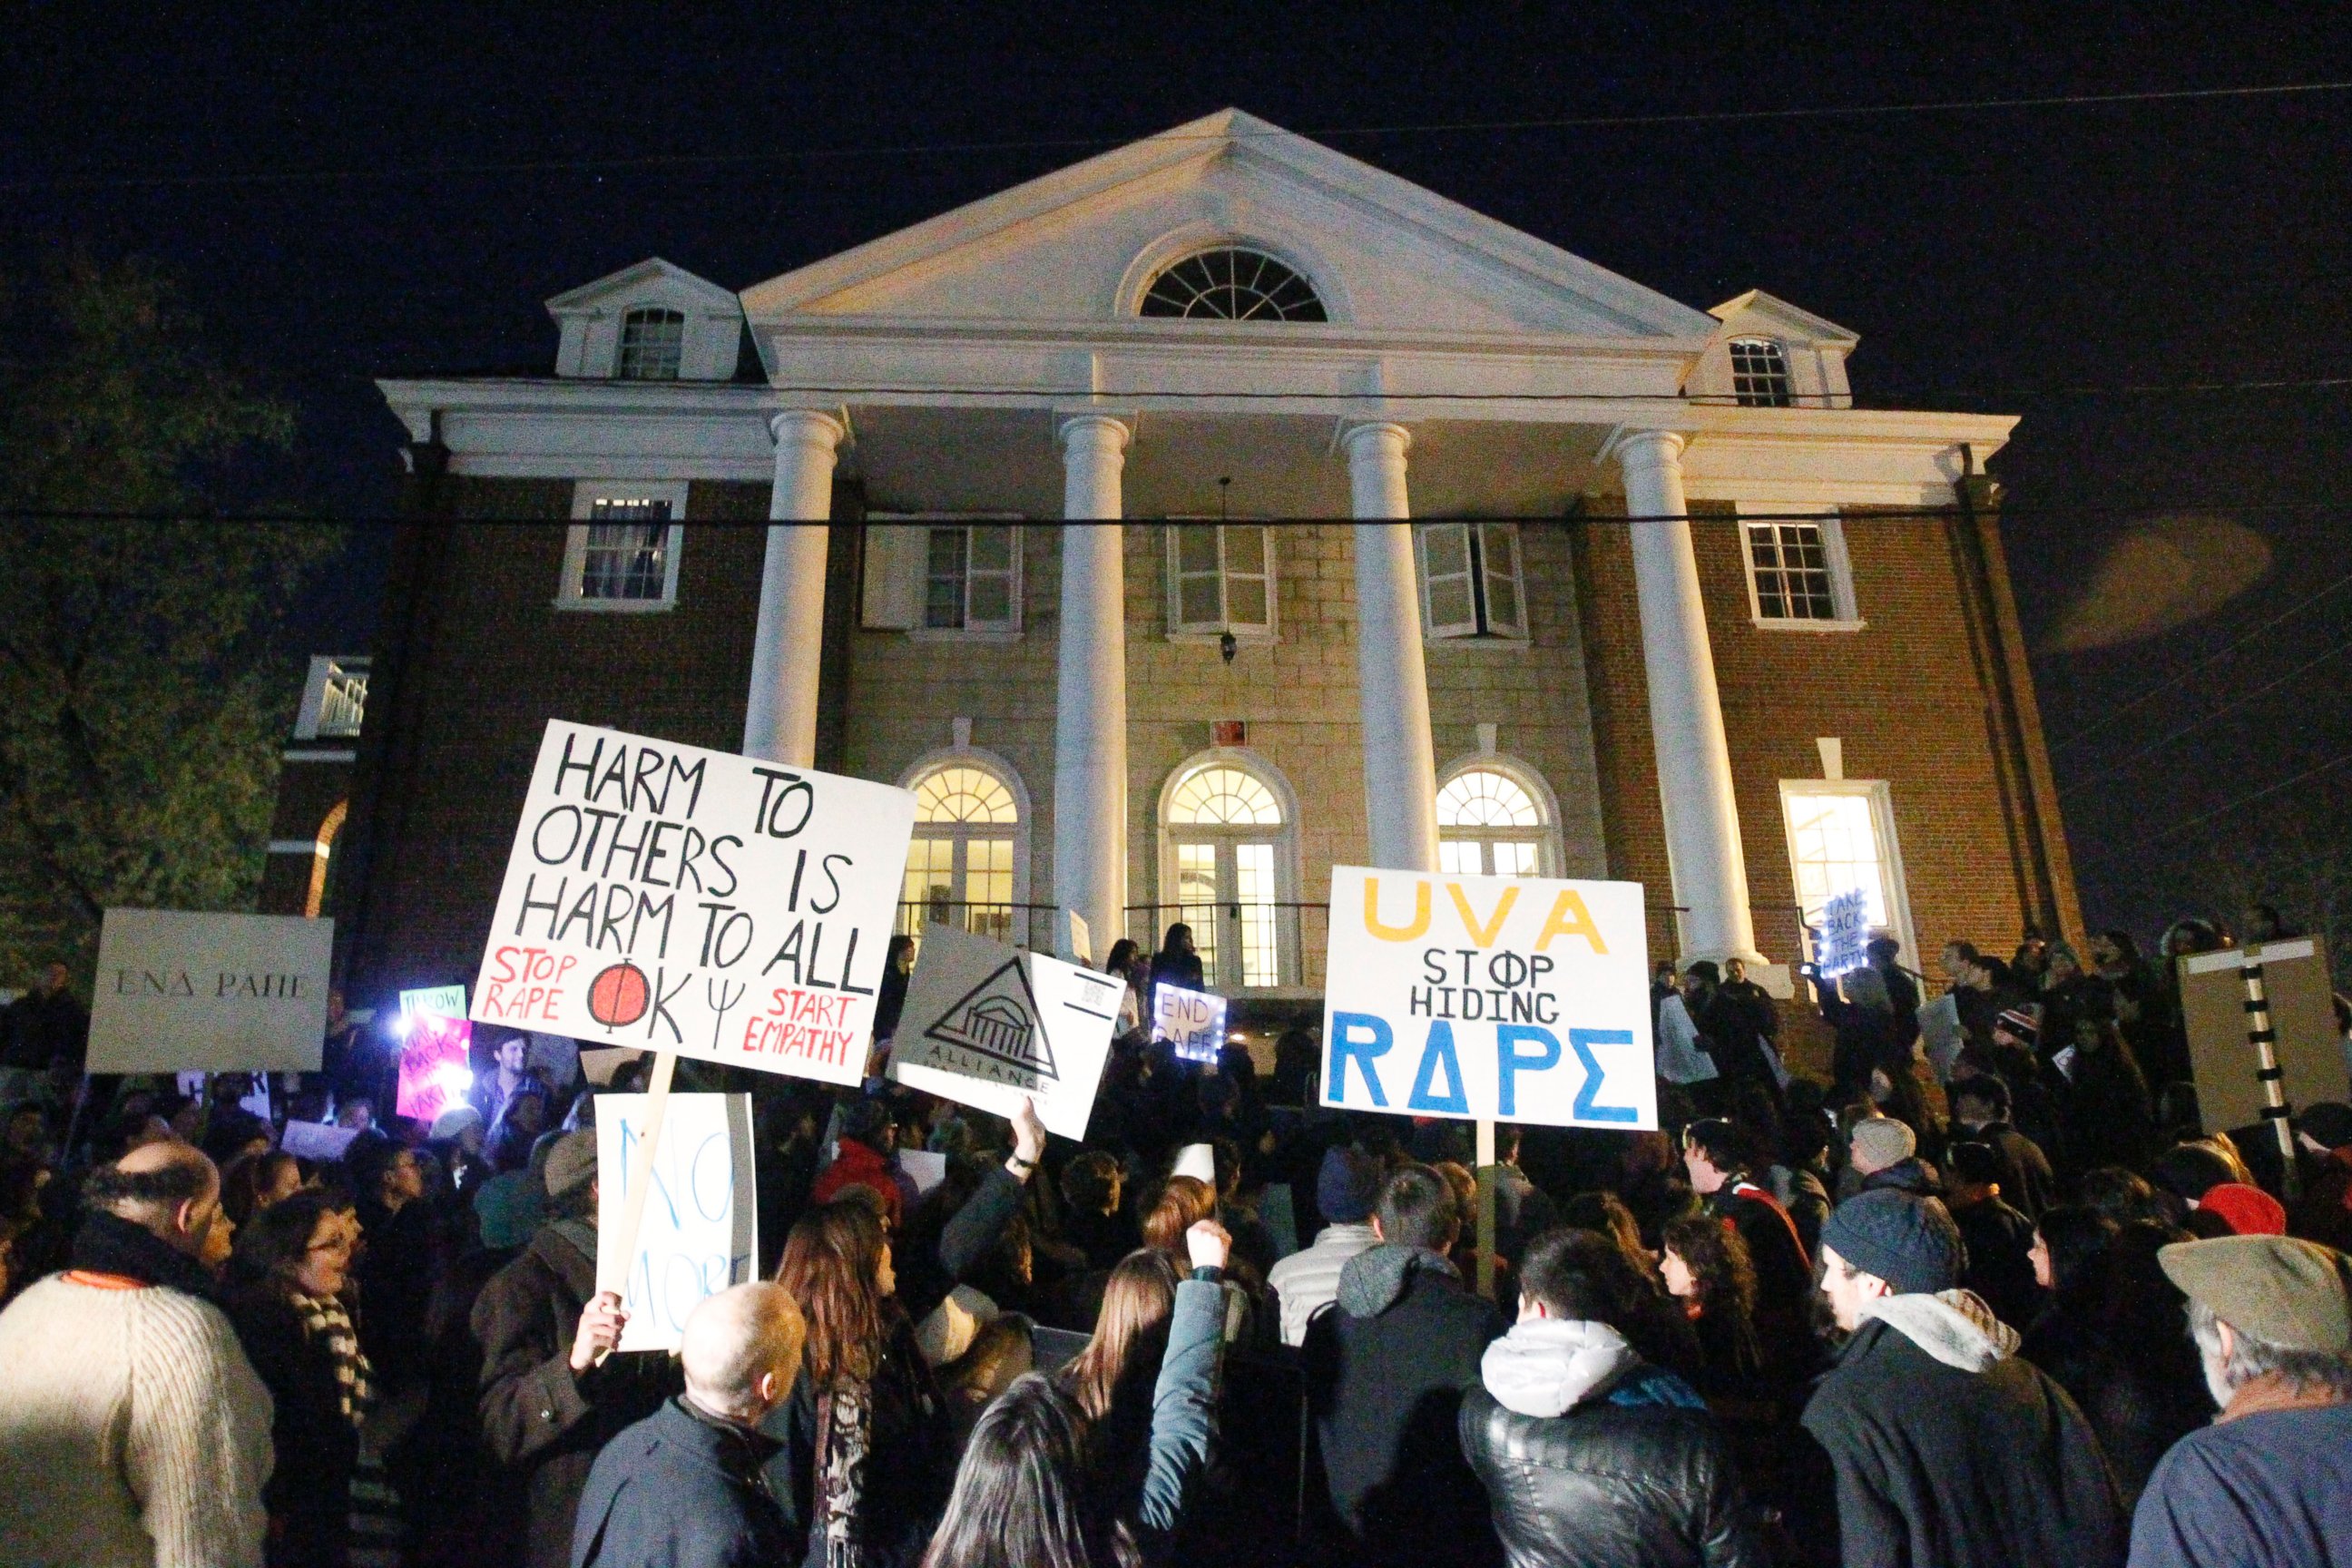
440 1001
317 1139
181 989
922 1167
1192 1021
700 1227
436 1065
1845 930
664 897
1941 1032
1518 999
2229 1091
986 1025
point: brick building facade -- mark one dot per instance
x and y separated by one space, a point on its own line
883 551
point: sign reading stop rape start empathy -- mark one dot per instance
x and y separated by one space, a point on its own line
667 898
1503 998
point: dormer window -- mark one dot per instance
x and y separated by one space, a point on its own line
1233 284
1759 373
653 342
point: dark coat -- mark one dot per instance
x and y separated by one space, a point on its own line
680 1490
2027 1182
1386 1365
310 1490
909 1457
1616 1483
1784 1275
541 1420
2001 1266
1958 1468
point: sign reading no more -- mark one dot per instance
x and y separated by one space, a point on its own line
700 1231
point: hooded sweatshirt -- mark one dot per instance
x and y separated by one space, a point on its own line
1547 1366
1951 1448
1386 1367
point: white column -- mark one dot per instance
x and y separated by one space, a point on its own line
780 716
1702 815
1091 683
1400 764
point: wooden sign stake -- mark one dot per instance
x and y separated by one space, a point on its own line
613 1262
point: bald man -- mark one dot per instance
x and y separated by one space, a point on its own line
134 1430
682 1487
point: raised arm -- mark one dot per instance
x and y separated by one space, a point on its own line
1184 1400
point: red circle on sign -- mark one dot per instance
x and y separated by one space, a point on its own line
618 995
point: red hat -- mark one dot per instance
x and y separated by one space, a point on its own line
2248 1211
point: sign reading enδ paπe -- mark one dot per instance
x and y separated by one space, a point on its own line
180 989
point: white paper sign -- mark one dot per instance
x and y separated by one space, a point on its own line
1845 932
666 896
1939 1027
177 989
986 1023
701 1232
1514 998
317 1139
1192 1021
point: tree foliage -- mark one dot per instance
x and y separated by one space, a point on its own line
141 701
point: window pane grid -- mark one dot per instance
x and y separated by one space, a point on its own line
652 344
1233 284
1473 572
1759 373
1791 562
628 549
1223 797
1834 844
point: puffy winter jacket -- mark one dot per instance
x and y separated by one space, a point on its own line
1590 1455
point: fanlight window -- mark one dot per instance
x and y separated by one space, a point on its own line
963 860
1233 285
1224 797
1229 862
1490 824
964 795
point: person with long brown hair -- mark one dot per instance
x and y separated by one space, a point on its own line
1706 1268
867 1456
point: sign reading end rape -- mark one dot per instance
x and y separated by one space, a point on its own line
1489 998
666 898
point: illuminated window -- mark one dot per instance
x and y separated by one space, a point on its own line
1233 284
1490 824
1842 840
965 861
621 553
653 341
1470 574
1759 373
972 577
1230 855
1221 579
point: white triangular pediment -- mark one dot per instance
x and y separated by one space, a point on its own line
1767 315
652 280
1082 244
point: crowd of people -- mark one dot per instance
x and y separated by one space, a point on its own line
1993 1299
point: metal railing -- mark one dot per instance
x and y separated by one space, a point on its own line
1023 925
1281 942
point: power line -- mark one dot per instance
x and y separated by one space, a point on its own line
2196 724
2114 714
1066 144
2179 828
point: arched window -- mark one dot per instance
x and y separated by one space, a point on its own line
1229 868
315 900
968 858
1496 821
1759 373
1233 284
653 341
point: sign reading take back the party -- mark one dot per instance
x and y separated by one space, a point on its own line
667 898
1503 998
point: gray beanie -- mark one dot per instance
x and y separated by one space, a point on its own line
1909 1242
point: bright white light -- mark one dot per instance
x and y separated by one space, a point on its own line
455 1079
397 1026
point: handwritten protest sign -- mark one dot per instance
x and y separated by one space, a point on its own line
434 1070
670 897
700 1231
1192 1021
1845 932
986 1025
1517 999
183 989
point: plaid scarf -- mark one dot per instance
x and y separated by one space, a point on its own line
327 1319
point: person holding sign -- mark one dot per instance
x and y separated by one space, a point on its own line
866 1456
553 1392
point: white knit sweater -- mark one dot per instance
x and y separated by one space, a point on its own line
132 1432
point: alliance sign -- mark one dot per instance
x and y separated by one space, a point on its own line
1489 998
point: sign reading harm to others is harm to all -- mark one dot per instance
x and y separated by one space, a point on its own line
1501 998
667 898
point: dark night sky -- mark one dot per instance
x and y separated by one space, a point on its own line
1985 257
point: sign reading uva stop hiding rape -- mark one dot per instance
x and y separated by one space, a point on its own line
1503 998
667 898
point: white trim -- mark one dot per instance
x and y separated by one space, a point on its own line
309 849
1834 551
1290 959
585 494
997 767
918 562
309 754
1248 634
1474 635
1550 853
1192 239
1889 844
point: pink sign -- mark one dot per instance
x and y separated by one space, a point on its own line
434 1071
